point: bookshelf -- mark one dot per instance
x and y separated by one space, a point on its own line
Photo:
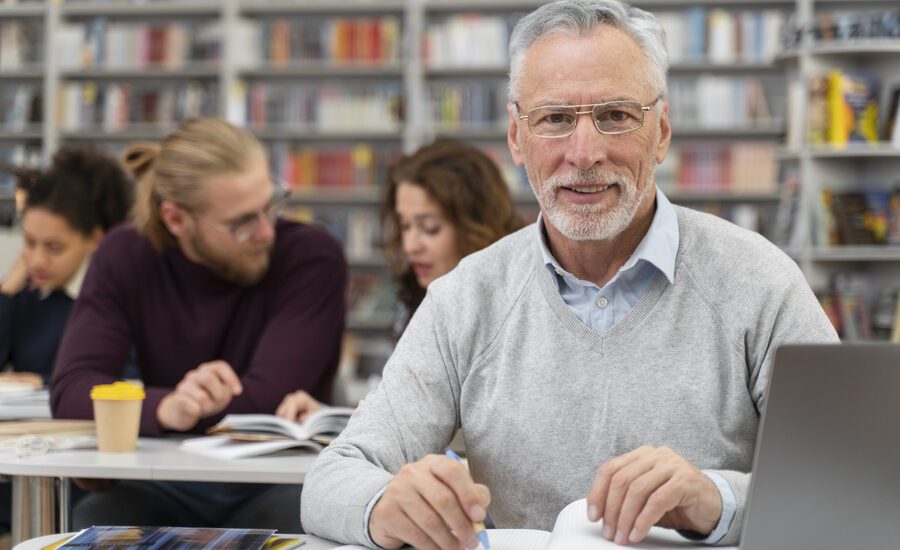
336 90
845 218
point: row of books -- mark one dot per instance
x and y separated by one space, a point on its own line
749 216
710 101
21 44
115 107
743 167
857 314
844 108
845 25
327 106
306 166
864 217
338 39
477 103
468 40
358 229
21 105
716 35
113 44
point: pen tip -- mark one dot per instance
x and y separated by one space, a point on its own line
482 536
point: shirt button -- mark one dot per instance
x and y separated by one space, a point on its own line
602 302
559 272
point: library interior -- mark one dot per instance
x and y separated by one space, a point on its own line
785 121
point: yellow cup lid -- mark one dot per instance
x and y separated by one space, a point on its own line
120 391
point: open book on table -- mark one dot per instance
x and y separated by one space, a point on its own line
246 435
573 530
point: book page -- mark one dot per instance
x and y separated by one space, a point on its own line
573 530
518 539
500 539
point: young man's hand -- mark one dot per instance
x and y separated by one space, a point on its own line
297 406
202 392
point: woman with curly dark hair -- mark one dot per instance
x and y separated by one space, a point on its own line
443 202
67 210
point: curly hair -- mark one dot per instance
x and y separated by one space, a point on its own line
85 187
472 195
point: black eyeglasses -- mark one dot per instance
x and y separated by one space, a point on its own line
612 117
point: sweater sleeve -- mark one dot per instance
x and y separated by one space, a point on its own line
300 345
797 318
95 344
413 412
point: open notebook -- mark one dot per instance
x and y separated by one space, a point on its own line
573 531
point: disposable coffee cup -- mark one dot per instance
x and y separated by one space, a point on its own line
117 415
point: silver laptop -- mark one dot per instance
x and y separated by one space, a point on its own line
827 465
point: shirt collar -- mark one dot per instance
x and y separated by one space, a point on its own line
74 287
658 247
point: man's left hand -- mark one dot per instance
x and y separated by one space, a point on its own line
652 486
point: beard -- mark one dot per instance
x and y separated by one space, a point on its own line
232 268
591 222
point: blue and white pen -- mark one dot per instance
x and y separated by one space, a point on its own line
479 526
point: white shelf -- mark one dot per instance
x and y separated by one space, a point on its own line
191 71
28 133
320 7
466 72
723 196
22 10
376 322
868 48
210 8
313 134
367 196
855 151
28 73
326 70
681 131
129 134
736 67
367 262
856 253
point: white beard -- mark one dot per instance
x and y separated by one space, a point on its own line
592 222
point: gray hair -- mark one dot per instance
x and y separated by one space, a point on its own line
580 17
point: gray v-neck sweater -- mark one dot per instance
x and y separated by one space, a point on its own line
543 400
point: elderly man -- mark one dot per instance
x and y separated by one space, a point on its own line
227 308
617 350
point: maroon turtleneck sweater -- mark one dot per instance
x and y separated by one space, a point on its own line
281 335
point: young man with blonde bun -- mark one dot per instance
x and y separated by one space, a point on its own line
227 307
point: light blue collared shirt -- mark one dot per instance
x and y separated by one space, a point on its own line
601 308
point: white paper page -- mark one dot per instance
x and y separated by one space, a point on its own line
518 539
500 539
573 530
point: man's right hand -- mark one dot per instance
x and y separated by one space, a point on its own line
203 392
430 504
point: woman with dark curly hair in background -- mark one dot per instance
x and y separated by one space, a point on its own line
442 203
67 210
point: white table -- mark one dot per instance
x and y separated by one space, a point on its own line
156 459
312 543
